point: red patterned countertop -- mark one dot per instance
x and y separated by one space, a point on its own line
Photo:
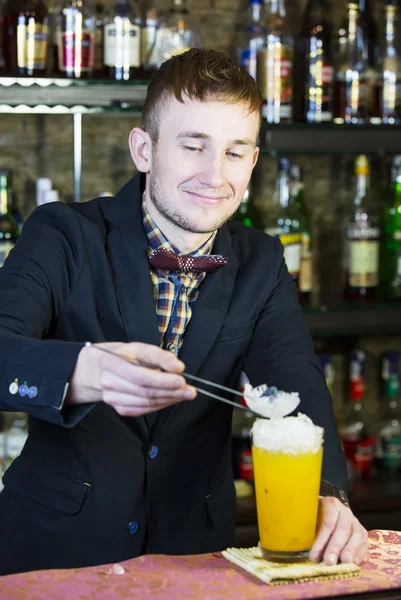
202 577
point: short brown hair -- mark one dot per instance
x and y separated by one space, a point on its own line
200 74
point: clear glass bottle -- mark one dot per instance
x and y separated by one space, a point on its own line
357 87
247 213
250 37
362 233
274 73
25 37
305 284
178 32
390 276
318 64
388 447
356 431
9 230
390 65
76 26
285 221
122 42
149 28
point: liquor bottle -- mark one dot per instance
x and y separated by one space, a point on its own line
98 61
149 28
318 64
247 213
274 69
178 32
122 42
25 36
357 90
391 66
250 38
285 221
305 284
388 447
362 234
356 434
76 38
9 231
391 255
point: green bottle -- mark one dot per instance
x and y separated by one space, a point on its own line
305 284
247 213
9 231
391 259
388 445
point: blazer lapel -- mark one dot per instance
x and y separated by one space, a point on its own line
127 249
208 315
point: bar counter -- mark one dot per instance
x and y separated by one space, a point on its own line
206 577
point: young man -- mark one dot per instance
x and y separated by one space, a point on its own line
116 463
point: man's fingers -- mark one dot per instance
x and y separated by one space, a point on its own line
115 368
339 538
357 547
152 355
327 521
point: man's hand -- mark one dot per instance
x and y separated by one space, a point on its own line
130 389
340 536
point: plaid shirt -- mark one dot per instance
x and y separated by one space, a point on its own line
175 293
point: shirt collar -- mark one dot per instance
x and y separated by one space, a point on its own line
157 239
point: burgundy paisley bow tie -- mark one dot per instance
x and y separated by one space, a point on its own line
167 260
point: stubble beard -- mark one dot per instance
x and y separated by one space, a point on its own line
176 217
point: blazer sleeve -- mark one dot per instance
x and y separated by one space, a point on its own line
281 353
35 282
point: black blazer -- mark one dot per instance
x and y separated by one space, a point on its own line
91 487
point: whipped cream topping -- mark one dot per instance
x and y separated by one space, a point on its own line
291 435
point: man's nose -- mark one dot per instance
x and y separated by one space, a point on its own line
213 174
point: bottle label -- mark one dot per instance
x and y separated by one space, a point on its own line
364 454
305 274
32 45
5 249
364 264
76 52
122 45
292 251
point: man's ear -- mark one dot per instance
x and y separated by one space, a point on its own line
140 147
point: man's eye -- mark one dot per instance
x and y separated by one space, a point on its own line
192 148
234 155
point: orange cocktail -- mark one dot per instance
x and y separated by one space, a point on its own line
287 459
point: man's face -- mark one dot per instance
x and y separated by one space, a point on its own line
202 163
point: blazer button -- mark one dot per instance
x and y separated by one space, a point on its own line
133 527
33 392
23 390
153 452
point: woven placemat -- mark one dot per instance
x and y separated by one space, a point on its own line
252 561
